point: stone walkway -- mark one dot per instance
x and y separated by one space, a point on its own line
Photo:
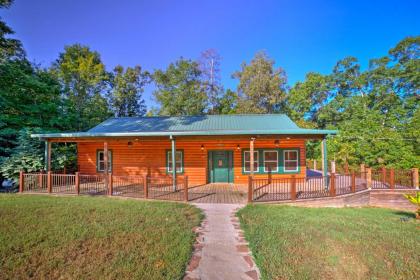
221 252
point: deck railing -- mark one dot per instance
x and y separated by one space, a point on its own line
152 187
260 189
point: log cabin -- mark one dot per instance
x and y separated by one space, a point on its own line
207 149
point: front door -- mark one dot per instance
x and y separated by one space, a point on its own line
220 165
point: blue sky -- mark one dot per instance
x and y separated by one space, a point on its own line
301 36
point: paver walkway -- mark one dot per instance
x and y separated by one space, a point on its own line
221 251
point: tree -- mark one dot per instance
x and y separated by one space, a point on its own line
84 80
227 103
262 88
126 91
29 98
9 47
307 98
209 65
179 89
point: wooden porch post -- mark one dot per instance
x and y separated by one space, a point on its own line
47 156
353 182
49 182
106 168
369 178
332 185
21 181
250 191
415 178
293 187
362 171
77 182
251 156
173 163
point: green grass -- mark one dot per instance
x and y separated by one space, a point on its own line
327 243
46 237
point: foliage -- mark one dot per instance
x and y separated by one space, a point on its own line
9 47
94 238
262 88
84 79
376 111
26 156
126 91
328 243
29 98
179 90
414 199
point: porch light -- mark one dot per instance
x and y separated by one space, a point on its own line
202 147
238 147
130 144
277 142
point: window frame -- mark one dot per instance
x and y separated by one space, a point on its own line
292 160
277 161
169 158
257 160
98 161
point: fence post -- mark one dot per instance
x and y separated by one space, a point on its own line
392 178
49 186
110 184
332 185
362 171
415 178
293 188
332 166
146 187
41 179
77 182
21 181
346 167
314 164
369 178
384 175
250 191
186 188
353 182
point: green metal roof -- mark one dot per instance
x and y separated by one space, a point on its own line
194 125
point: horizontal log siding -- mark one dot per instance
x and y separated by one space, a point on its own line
149 157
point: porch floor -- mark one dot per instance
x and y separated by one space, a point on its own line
218 193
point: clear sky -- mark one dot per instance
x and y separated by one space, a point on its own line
301 36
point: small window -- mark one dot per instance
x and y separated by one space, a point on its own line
100 161
291 161
271 161
178 160
247 161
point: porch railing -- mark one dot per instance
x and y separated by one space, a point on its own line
293 188
150 187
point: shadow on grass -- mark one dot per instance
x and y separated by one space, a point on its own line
403 214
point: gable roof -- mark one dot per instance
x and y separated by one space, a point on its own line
249 124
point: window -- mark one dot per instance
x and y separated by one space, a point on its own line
178 160
271 161
290 161
100 161
247 161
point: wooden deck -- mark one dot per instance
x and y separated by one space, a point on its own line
218 193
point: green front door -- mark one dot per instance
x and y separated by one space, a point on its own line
220 163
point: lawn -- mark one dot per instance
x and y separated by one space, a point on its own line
46 237
327 243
